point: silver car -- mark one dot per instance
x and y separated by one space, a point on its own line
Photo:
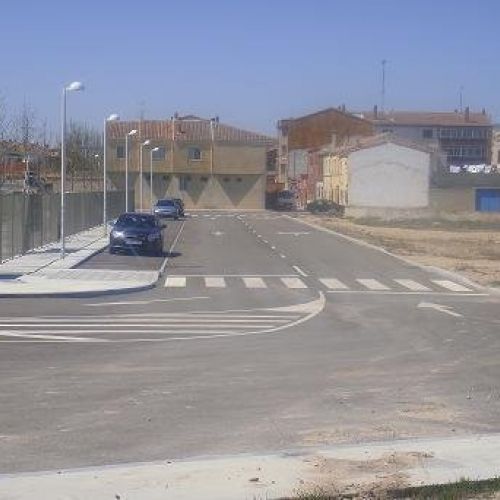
166 208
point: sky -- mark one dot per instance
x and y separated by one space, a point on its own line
248 62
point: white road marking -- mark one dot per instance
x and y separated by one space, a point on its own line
293 283
333 284
283 256
299 270
412 285
293 233
372 284
31 335
273 248
383 292
439 307
143 302
309 310
175 281
451 285
218 233
265 241
215 282
259 236
254 282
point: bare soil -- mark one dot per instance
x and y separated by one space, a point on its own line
469 247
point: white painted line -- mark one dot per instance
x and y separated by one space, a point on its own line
143 302
412 285
283 256
441 308
451 285
254 282
273 248
299 270
239 275
265 241
175 282
382 292
171 249
372 284
259 236
333 284
293 283
32 335
215 282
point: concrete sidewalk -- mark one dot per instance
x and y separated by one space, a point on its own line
348 468
42 272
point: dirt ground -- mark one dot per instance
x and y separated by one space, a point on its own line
469 247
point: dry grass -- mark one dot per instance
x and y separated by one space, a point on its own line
469 247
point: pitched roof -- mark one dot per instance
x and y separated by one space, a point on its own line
187 130
378 140
430 118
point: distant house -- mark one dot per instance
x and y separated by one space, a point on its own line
387 175
298 137
465 137
206 163
378 172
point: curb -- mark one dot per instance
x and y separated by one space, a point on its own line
429 269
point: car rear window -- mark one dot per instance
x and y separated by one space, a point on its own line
135 220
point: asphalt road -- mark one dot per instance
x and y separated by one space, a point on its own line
265 335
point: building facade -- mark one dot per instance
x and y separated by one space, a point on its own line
465 138
299 140
206 163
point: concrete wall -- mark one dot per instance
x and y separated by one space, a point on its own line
221 191
453 199
388 175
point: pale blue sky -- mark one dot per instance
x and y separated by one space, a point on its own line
250 62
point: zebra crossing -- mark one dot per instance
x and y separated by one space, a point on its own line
330 284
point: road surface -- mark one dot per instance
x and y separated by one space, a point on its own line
263 335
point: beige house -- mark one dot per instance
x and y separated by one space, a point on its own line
206 163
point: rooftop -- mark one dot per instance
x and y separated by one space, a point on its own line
188 129
429 118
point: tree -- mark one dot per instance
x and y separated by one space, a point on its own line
83 142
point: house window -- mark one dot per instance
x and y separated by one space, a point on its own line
194 154
427 133
159 154
120 151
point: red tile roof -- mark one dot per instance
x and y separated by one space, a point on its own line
187 130
429 118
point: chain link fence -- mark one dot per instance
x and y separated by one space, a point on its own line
31 221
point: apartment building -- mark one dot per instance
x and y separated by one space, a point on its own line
206 163
465 138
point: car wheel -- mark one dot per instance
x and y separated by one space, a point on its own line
112 251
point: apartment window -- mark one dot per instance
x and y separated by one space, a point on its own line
159 154
194 153
427 133
120 151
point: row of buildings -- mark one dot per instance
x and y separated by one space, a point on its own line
372 162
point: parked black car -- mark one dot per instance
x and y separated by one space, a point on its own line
138 232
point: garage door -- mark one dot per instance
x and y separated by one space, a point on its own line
488 200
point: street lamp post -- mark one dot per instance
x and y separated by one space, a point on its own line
147 142
131 133
151 175
73 86
111 118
